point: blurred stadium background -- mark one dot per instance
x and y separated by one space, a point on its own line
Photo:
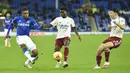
89 15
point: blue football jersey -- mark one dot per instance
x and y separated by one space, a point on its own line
24 25
7 22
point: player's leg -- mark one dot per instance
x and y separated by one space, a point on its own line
34 58
9 43
32 47
6 40
101 48
57 48
107 54
9 39
58 45
107 51
66 52
21 41
98 56
27 54
26 64
34 55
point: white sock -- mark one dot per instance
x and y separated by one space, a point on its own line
65 62
27 61
9 40
6 42
9 44
27 54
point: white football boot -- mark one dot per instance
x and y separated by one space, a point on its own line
58 64
33 59
65 64
26 64
97 67
106 64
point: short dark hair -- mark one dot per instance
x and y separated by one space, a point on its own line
115 10
24 9
63 8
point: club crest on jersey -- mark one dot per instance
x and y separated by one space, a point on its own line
28 22
19 21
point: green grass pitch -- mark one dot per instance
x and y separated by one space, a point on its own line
81 58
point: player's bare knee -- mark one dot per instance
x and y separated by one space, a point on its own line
66 43
107 45
100 49
99 52
107 50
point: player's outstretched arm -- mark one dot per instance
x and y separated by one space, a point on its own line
76 32
52 24
38 27
46 25
42 26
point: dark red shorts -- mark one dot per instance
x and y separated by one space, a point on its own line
60 42
115 40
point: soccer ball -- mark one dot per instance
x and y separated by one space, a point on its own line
57 55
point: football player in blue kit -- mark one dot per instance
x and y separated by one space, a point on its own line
24 24
7 22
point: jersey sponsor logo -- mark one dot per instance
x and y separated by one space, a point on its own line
63 26
23 24
7 21
20 23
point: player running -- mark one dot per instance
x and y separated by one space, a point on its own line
64 24
7 22
117 28
24 24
